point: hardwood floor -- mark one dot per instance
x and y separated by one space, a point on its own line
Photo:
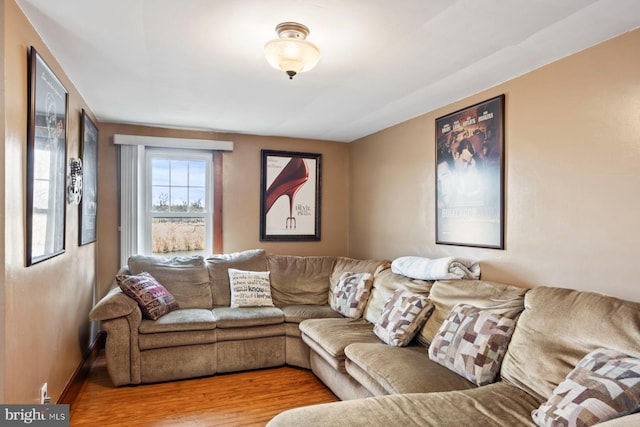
239 399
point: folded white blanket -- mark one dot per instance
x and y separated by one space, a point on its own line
436 269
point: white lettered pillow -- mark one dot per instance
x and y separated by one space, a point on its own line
250 288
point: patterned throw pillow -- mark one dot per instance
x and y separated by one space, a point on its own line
604 385
250 288
351 294
472 343
153 298
402 315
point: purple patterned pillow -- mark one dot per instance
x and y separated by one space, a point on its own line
351 294
472 343
153 298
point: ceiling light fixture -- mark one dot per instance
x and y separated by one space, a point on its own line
290 52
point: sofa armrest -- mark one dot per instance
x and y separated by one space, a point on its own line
121 349
113 305
626 421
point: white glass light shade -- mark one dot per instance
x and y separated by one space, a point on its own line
292 55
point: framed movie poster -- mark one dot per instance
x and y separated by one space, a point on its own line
46 162
290 188
89 203
470 176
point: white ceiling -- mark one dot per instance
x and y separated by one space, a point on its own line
199 64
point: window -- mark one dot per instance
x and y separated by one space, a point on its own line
170 198
178 203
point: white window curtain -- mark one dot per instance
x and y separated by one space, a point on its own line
132 176
130 183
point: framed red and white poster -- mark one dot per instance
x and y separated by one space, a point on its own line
290 196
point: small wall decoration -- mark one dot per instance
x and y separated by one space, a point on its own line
470 176
46 162
74 182
290 196
88 208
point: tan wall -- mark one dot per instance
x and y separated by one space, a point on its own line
572 175
46 305
241 205
573 164
2 205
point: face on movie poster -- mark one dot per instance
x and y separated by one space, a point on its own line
469 176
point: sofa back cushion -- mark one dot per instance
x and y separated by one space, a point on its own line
351 265
558 328
186 278
219 265
354 266
498 298
385 283
299 279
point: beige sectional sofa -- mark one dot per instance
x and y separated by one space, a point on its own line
555 331
378 383
206 336
349 357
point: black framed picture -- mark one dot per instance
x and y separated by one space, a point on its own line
470 176
88 207
290 188
46 162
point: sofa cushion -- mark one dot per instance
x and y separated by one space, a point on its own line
190 319
472 342
191 326
249 333
227 317
495 405
249 288
166 340
218 266
558 328
402 316
185 277
299 312
631 420
506 300
384 369
329 337
386 283
350 295
299 279
153 298
603 386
